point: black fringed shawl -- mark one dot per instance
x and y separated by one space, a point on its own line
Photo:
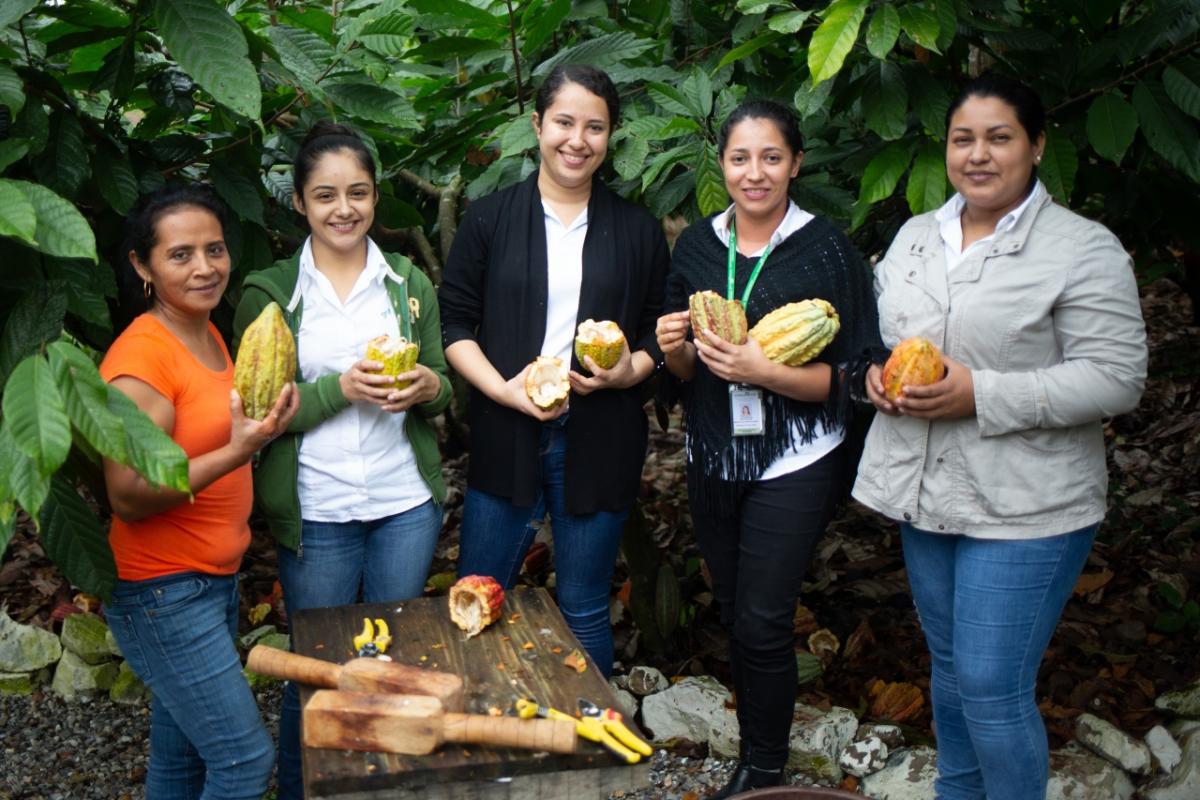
816 261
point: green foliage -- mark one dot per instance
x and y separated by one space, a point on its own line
103 100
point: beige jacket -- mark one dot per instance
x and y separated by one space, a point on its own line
1047 318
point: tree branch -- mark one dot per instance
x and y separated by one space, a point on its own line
512 36
1181 50
448 213
426 186
416 238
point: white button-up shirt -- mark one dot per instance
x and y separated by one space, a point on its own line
564 278
799 455
949 218
357 465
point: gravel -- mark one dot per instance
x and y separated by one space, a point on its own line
51 749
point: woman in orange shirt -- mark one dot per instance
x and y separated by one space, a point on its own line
175 606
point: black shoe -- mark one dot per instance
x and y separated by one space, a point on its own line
745 778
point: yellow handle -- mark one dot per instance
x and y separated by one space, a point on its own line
593 729
627 737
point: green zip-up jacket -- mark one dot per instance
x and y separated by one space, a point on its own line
275 476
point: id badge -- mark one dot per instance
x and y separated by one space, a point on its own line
746 410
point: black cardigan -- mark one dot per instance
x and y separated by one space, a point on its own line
494 291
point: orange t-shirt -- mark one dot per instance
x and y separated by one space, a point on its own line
211 533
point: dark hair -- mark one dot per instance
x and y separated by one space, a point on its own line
594 80
1023 100
783 117
327 137
141 224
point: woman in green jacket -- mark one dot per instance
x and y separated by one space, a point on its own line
353 491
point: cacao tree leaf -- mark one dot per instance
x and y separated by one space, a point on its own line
518 137
601 51
85 398
237 189
789 21
698 90
8 518
210 47
1111 125
28 485
304 54
374 103
883 30
631 157
929 99
947 19
748 48
540 20
664 161
151 452
12 151
884 171
13 10
388 36
885 100
12 90
116 71
35 319
1172 135
115 179
61 229
462 13
84 284
711 194
671 100
1182 82
926 190
921 25
32 125
172 89
17 217
666 198
35 415
75 541
809 99
64 168
1059 165
834 37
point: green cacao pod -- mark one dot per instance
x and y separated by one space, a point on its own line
546 382
603 341
711 312
913 362
398 355
266 362
796 333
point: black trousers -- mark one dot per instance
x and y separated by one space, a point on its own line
757 559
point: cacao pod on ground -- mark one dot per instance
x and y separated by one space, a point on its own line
603 341
711 312
398 355
913 362
796 333
475 602
546 382
266 362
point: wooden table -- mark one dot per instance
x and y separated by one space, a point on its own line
520 655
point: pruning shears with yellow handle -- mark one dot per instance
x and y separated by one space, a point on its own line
592 728
373 640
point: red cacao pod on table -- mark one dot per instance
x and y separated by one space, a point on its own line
475 602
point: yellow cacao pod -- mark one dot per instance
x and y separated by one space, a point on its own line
398 355
711 312
603 341
266 362
546 382
913 362
796 333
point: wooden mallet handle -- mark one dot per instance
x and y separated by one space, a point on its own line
556 736
293 667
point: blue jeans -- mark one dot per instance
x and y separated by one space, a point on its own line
496 535
388 557
988 608
207 739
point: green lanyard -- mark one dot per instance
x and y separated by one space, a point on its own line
733 266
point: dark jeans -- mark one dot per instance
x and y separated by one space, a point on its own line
757 560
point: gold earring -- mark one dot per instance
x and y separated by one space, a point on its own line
146 290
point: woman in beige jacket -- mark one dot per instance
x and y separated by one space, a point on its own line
996 473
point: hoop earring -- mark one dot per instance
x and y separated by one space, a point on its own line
147 291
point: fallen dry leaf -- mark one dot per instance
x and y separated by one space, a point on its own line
576 661
896 701
258 613
1091 581
527 646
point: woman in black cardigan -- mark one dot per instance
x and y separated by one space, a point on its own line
765 442
528 264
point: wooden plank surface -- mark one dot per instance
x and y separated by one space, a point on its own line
520 655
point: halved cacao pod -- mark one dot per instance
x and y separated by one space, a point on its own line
603 341
398 355
913 362
546 382
266 362
475 602
712 312
796 333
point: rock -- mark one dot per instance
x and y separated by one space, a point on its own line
85 635
909 775
627 704
644 681
891 735
1184 781
74 677
817 740
25 648
16 682
128 688
1112 743
1180 728
1078 774
1184 702
1163 747
864 756
250 639
111 641
694 709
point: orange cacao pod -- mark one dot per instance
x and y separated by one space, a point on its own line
913 362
